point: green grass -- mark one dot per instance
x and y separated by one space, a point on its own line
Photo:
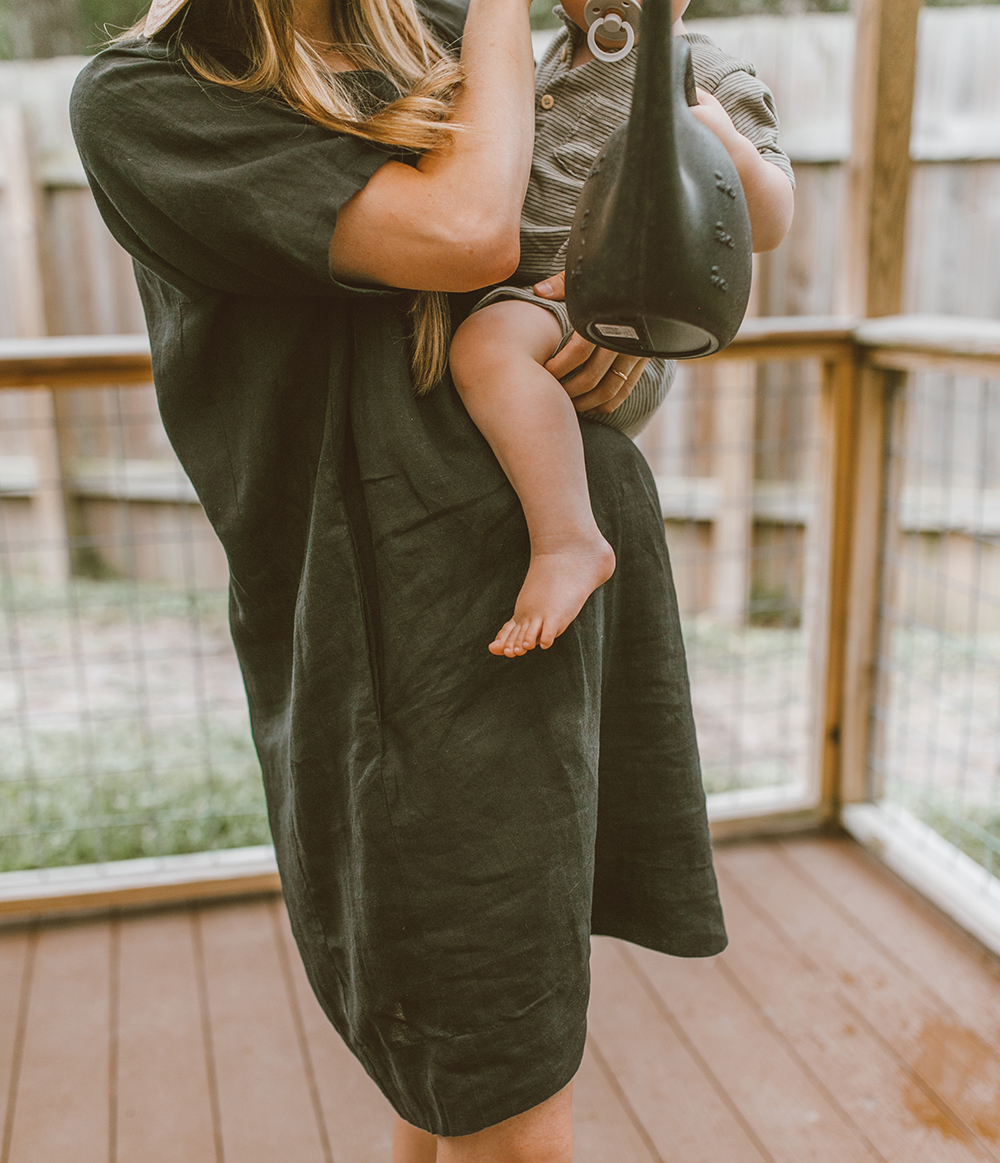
541 15
120 814
973 828
123 726
124 731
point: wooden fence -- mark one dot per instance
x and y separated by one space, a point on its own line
861 366
63 274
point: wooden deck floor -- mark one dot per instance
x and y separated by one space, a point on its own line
847 1021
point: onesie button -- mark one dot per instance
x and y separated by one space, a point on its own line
564 54
547 101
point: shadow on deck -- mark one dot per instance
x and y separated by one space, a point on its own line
847 1021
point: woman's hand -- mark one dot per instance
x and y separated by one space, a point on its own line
595 379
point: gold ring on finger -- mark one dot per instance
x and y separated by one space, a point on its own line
616 372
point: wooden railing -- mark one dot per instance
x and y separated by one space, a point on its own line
862 365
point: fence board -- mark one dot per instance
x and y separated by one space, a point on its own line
952 230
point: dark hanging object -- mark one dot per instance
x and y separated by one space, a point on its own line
659 254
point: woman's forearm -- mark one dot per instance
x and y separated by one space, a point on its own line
452 222
492 155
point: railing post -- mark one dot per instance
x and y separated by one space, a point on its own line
872 285
838 490
733 420
879 165
826 560
863 581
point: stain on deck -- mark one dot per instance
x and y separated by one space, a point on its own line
847 1021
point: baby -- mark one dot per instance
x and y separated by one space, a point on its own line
506 357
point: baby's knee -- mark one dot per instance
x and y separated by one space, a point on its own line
478 346
466 345
501 336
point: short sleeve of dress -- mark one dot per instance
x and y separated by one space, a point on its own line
747 100
209 187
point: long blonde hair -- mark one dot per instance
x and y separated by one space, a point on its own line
252 45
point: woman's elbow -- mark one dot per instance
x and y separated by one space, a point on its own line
484 261
483 254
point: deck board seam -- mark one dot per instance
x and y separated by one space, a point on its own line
612 1080
114 1032
972 1137
20 1035
681 1034
208 1044
876 943
300 1033
910 898
796 1057
781 851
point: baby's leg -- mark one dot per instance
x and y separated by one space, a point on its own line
496 361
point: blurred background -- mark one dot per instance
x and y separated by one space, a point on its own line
46 28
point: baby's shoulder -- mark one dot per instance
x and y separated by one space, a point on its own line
713 64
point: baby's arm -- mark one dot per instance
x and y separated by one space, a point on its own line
769 194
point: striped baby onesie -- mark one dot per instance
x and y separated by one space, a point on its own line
576 110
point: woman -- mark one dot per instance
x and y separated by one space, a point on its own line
450 827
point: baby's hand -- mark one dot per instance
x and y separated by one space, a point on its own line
710 112
595 379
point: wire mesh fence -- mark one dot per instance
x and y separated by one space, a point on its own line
123 727
123 724
936 742
736 451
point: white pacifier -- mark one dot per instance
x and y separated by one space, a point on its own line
613 20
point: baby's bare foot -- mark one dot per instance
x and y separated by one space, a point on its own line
560 579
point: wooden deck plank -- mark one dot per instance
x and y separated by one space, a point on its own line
61 1112
602 1129
870 1083
683 1114
840 995
947 961
948 1056
164 1109
265 1106
357 1116
16 959
790 1115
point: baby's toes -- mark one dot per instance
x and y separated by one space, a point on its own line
503 634
528 639
548 632
512 647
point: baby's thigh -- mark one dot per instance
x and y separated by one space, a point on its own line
505 332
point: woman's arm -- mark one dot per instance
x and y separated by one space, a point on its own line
769 194
451 223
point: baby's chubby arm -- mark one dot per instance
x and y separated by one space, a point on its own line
769 194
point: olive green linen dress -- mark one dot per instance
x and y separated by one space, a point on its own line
450 827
